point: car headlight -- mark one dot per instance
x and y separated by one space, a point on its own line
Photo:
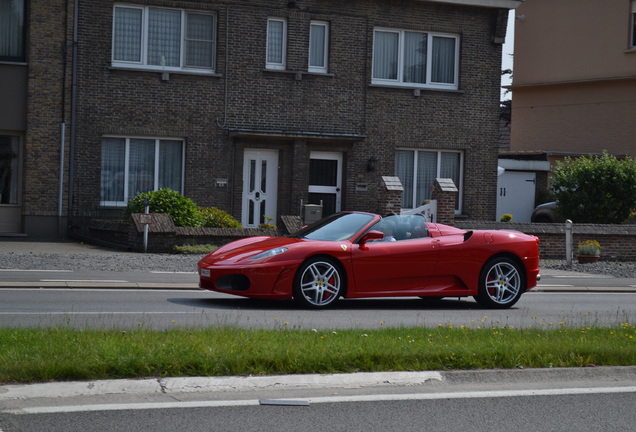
269 253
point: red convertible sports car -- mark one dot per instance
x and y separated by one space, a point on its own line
355 254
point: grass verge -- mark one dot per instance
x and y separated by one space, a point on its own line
58 354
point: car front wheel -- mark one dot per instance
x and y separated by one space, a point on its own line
319 282
500 284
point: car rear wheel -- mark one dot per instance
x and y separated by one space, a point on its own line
319 282
500 284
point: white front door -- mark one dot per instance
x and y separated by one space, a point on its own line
325 180
260 184
515 195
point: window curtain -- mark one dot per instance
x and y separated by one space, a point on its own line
12 29
449 167
385 55
113 169
275 39
317 45
171 165
127 34
200 33
164 37
443 61
415 49
404 169
426 174
141 166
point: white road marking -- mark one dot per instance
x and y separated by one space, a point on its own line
327 399
83 280
36 270
172 272
103 313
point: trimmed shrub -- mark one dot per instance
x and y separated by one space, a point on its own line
183 210
216 218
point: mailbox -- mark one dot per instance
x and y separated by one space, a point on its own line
313 213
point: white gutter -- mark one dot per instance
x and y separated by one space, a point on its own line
501 4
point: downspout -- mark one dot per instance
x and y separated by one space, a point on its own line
60 201
225 102
71 159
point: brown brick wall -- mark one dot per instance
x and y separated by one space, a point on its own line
48 104
276 108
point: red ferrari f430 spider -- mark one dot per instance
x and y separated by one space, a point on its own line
356 255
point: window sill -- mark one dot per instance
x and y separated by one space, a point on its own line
111 205
167 72
417 90
631 50
13 63
299 74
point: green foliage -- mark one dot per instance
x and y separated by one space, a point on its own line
268 224
595 189
506 218
195 249
216 218
183 210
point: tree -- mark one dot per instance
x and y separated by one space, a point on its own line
505 111
595 189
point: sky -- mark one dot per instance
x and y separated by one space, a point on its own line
506 55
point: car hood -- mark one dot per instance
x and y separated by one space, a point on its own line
240 250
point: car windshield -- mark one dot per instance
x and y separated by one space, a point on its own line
337 227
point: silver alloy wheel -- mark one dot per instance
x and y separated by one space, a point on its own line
320 283
503 282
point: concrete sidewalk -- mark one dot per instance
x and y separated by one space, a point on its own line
53 247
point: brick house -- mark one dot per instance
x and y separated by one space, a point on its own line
254 107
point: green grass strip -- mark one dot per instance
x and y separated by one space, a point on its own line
58 354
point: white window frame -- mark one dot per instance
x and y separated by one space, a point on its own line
126 179
273 64
460 186
143 62
325 57
398 82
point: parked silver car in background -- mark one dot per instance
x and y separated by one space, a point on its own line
546 213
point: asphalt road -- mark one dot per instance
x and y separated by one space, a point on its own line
130 308
551 280
585 399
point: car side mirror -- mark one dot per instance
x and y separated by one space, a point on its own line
371 235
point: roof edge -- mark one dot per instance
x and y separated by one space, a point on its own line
501 4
